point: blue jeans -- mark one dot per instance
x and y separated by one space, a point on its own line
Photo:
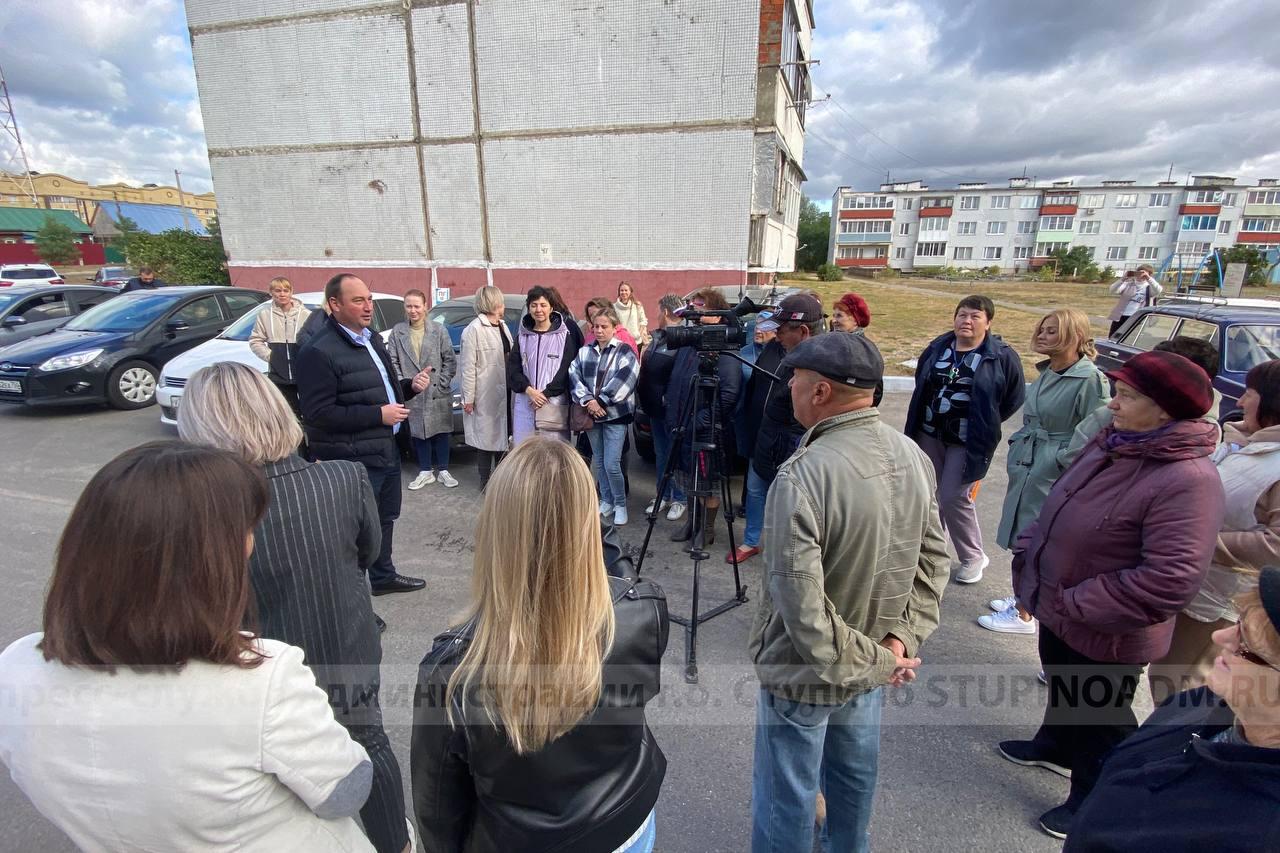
801 749
757 492
662 452
433 452
606 462
644 843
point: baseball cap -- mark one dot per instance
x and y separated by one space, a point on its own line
798 307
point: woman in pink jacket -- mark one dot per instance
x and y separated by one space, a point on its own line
1121 546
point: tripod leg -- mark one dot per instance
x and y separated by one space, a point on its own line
691 645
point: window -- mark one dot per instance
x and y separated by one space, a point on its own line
1122 226
1199 223
1091 251
202 312
965 229
1000 202
1249 346
1260 224
996 228
1159 199
935 223
1193 247
1265 197
992 253
1229 199
1056 223
1224 226
1029 202
793 70
866 226
1152 329
963 253
863 202
1117 253
907 203
847 252
1148 253
1199 329
1205 197
1027 226
904 229
1021 253
970 202
900 252
1093 200
1043 250
931 250
1060 198
1155 226
1127 200
47 307
1090 226
935 201
238 303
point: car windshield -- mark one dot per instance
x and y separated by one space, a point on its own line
116 272
242 328
1249 346
452 315
127 313
6 301
35 272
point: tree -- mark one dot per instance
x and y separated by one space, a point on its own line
56 242
127 229
1075 262
1255 275
812 236
180 256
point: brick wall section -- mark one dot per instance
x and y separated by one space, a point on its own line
771 31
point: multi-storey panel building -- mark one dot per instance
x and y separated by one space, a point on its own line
455 143
908 225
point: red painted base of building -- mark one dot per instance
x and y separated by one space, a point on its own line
576 286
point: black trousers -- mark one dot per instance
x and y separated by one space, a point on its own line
1090 710
383 813
486 461
386 488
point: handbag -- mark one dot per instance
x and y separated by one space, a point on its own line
553 417
580 420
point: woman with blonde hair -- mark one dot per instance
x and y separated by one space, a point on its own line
314 547
482 373
1068 389
419 345
529 728
274 338
631 313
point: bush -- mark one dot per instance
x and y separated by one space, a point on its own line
830 272
1046 273
930 271
180 256
1108 273
994 269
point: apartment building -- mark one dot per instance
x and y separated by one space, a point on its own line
908 225
59 192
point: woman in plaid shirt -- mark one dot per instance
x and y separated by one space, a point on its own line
603 379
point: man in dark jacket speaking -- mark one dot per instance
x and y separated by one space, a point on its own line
352 406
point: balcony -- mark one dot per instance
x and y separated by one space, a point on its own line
1066 235
854 239
1200 209
934 211
1259 238
862 262
868 213
1262 210
1058 209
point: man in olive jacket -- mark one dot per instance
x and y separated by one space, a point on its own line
854 576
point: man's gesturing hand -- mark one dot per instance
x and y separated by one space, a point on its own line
905 668
394 413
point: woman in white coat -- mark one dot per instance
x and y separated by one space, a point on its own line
486 408
1137 289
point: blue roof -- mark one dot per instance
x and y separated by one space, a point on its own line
155 218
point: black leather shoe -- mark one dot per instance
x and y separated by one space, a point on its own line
399 583
380 622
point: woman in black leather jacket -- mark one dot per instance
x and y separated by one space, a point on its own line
529 727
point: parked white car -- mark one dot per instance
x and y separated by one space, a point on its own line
12 274
233 345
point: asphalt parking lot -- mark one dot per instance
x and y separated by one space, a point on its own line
942 785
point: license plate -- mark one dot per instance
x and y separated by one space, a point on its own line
11 385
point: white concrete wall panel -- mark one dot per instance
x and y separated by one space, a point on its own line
453 193
631 199
343 80
202 13
442 55
352 205
765 168
599 64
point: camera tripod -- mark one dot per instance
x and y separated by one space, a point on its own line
703 446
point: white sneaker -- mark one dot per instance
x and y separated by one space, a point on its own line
1000 605
676 512
653 503
619 516
606 507
424 479
447 479
965 573
1007 622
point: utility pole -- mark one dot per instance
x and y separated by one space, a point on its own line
13 155
182 199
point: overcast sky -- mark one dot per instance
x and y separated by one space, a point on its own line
942 90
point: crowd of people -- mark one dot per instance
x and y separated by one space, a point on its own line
208 672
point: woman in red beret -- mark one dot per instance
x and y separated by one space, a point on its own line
1121 546
850 314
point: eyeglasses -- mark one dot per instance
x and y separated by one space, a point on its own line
1245 653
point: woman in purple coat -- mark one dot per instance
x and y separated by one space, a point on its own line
1120 548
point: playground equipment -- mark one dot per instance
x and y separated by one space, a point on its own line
1186 272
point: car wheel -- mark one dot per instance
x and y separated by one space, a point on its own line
132 385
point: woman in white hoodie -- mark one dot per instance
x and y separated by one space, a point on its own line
274 338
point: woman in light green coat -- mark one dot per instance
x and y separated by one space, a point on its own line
1068 389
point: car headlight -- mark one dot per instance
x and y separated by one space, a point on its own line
70 360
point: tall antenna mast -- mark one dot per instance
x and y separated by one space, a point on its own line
13 155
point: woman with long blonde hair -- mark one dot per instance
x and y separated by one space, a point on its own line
1068 389
529 728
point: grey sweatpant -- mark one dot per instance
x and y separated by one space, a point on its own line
955 497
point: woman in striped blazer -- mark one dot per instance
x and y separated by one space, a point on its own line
309 565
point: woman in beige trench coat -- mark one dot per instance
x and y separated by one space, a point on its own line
486 409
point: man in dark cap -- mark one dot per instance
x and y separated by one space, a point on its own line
770 425
855 569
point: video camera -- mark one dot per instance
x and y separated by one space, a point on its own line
729 335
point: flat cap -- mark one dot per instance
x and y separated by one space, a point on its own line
798 307
847 358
